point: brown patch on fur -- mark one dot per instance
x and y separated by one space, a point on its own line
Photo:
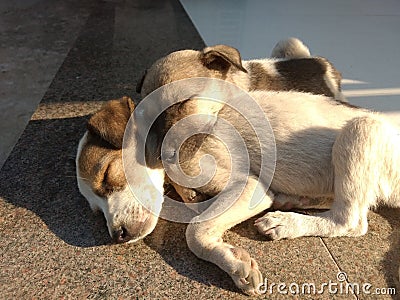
101 165
114 176
305 75
261 80
218 61
100 161
160 127
191 146
110 121
175 66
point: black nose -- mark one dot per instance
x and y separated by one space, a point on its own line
121 235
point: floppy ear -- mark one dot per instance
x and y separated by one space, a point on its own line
222 57
140 83
110 121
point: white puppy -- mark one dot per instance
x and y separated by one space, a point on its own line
323 149
290 68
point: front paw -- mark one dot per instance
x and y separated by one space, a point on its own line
245 272
280 225
190 196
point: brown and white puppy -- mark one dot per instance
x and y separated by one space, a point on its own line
290 67
101 178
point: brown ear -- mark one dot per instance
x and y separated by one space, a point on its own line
222 57
110 121
140 83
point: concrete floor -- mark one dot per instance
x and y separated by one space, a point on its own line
35 38
61 60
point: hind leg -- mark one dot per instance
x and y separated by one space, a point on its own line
357 156
345 218
288 225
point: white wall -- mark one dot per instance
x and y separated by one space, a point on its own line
361 38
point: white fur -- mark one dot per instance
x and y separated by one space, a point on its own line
268 65
95 202
332 84
290 48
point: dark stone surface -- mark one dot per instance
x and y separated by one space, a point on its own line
35 37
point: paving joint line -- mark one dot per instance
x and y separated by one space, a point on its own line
335 261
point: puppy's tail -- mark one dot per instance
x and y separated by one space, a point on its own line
290 48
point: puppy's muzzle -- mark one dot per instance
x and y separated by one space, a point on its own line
121 235
131 233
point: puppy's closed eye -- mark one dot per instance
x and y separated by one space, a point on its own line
112 179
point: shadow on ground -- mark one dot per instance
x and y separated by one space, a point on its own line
108 58
40 176
168 240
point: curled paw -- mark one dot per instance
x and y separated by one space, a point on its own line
246 274
191 196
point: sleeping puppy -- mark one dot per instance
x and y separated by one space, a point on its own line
101 178
291 67
323 149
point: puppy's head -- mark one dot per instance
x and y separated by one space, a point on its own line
101 177
219 61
